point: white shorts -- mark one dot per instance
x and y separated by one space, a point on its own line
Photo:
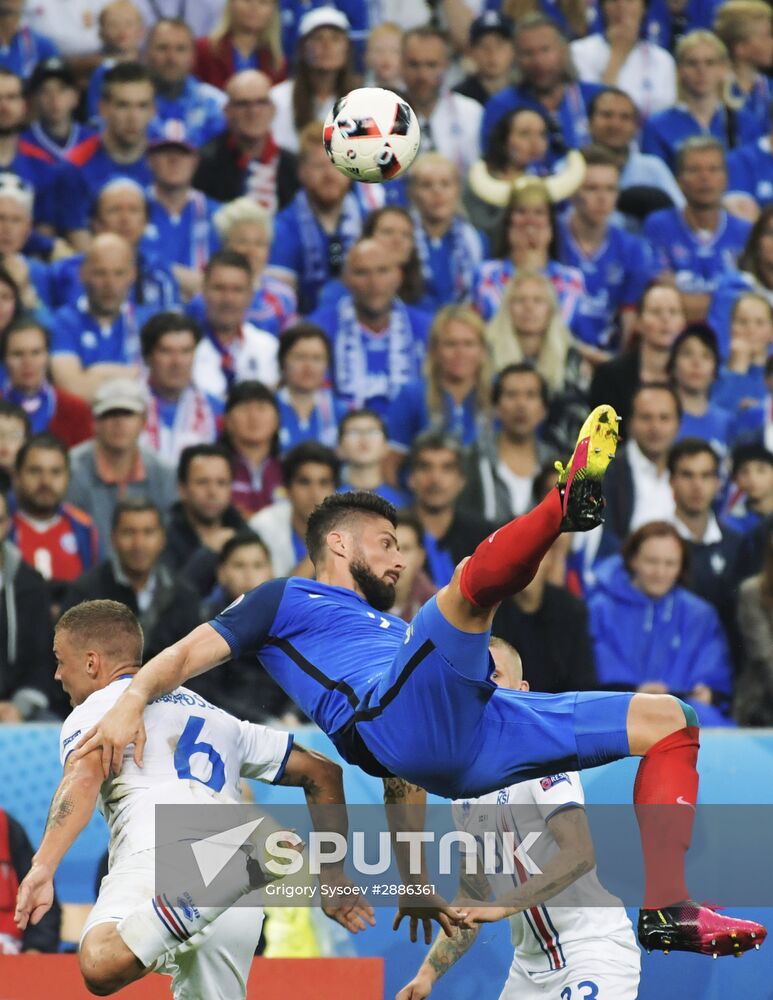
214 963
601 972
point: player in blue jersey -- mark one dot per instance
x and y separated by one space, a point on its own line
415 705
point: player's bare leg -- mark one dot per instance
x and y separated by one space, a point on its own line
106 963
662 730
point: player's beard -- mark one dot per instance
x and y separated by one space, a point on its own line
377 592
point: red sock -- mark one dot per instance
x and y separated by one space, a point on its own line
664 795
506 561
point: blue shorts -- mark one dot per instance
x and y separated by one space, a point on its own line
436 719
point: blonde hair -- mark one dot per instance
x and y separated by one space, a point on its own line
271 37
385 28
735 20
430 161
505 343
575 12
689 42
236 212
431 368
309 138
751 297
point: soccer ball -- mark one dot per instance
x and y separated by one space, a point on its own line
372 135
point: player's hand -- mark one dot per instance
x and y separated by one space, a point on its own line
432 908
35 896
353 914
118 728
418 988
475 915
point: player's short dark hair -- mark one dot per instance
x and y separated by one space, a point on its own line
688 447
598 156
250 391
121 73
18 325
170 22
694 331
41 442
426 31
134 505
298 332
408 519
435 441
303 454
9 409
364 411
655 529
658 386
161 324
109 625
519 368
751 452
611 92
227 258
339 508
194 451
240 541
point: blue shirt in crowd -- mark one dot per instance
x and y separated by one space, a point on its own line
750 171
189 238
76 331
199 107
665 131
26 50
409 415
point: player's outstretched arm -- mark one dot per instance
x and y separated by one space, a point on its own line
200 650
71 808
574 858
446 951
322 782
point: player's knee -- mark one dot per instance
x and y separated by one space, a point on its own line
101 975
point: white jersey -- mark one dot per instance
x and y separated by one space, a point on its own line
253 355
546 938
194 753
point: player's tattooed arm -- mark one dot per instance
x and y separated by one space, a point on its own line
398 791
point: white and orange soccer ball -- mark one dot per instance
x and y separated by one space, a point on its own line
372 135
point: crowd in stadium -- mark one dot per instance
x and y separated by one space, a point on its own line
205 328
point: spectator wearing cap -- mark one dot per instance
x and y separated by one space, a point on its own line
313 234
245 159
251 437
492 54
97 338
114 465
310 472
646 183
179 415
36 167
437 479
378 342
357 13
56 538
547 83
232 349
169 56
247 36
52 96
127 106
30 274
120 208
134 574
618 55
180 225
750 498
323 72
25 354
21 48
203 518
450 122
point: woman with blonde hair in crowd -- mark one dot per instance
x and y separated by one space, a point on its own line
323 72
703 108
248 36
245 227
454 391
746 28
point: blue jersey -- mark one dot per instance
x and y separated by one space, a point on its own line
715 426
729 287
321 425
449 262
155 286
26 50
41 171
409 415
697 263
189 238
76 331
735 391
750 171
757 102
658 24
325 646
199 107
615 278
665 131
570 118
88 168
36 137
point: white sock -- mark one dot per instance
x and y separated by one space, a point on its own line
159 927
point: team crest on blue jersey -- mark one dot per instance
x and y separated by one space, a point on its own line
552 780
